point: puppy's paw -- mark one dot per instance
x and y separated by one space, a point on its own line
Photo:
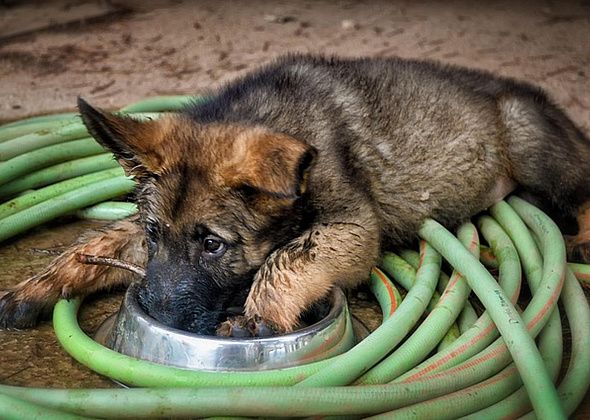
273 299
282 318
31 301
19 309
242 327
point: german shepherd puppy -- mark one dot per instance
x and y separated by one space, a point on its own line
292 179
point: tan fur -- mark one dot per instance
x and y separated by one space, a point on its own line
66 276
297 275
150 141
264 160
231 156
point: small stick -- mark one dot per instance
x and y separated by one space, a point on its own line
111 262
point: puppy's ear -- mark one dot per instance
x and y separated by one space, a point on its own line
274 164
136 144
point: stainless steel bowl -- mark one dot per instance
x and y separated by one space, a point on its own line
134 333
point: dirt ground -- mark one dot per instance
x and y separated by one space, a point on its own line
113 53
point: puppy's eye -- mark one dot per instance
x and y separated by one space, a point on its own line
213 246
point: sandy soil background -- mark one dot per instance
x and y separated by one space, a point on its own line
113 53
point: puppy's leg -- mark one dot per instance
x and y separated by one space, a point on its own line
303 271
28 301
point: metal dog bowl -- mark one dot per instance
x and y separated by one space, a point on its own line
134 333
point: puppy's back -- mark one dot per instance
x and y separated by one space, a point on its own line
415 139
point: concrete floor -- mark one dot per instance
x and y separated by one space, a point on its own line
185 47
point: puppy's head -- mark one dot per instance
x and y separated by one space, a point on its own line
215 200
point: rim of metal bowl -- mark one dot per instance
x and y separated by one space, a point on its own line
337 305
133 332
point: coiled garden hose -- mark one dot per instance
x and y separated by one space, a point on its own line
63 204
476 371
26 201
108 210
59 172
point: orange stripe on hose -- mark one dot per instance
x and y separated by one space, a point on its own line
389 288
548 305
451 355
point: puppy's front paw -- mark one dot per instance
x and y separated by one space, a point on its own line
283 318
32 300
19 309
242 327
273 300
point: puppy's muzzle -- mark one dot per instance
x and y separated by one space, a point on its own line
180 297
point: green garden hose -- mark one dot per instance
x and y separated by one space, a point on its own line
51 118
45 156
28 200
373 348
43 138
379 287
59 172
64 204
73 130
433 328
108 210
471 399
11 132
508 321
482 333
518 402
162 103
14 408
471 374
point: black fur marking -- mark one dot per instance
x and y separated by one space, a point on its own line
96 123
19 314
183 180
